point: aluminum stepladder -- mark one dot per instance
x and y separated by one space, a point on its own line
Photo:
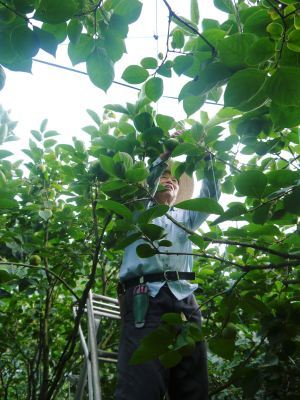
97 307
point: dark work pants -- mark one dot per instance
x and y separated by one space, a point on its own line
151 381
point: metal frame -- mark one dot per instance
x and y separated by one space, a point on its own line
97 306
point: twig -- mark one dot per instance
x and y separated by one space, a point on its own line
173 14
43 268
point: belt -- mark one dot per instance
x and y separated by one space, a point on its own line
158 277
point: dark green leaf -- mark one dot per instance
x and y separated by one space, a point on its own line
282 178
292 201
59 31
129 10
116 207
100 69
55 11
24 42
205 205
231 214
136 174
122 243
245 89
222 347
251 183
145 251
74 30
233 50
182 63
284 86
47 40
170 359
152 231
191 104
152 213
143 121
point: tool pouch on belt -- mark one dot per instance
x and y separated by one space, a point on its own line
140 305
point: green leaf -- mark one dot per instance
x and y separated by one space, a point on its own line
245 89
145 251
262 214
177 39
165 243
5 153
143 121
55 11
234 49
8 203
149 63
152 231
129 10
251 183
284 86
293 41
100 69
124 242
165 122
154 88
195 12
260 51
292 201
107 164
225 5
135 74
214 75
170 359
45 214
116 108
197 240
136 175
47 40
222 347
282 178
182 63
192 104
116 207
114 46
74 30
205 205
24 41
257 22
80 51
284 116
152 213
231 214
113 185
59 31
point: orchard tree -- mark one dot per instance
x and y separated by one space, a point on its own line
66 211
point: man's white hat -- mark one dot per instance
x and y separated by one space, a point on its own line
186 185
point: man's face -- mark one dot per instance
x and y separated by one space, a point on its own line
171 185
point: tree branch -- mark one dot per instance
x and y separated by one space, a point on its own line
43 268
173 14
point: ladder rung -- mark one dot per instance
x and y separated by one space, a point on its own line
111 360
106 314
101 297
102 303
99 309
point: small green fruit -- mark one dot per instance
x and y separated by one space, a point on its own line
160 56
229 332
170 144
35 260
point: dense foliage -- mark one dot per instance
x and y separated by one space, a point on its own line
66 211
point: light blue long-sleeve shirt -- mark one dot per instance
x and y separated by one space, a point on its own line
133 266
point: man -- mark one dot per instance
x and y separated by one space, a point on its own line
169 292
